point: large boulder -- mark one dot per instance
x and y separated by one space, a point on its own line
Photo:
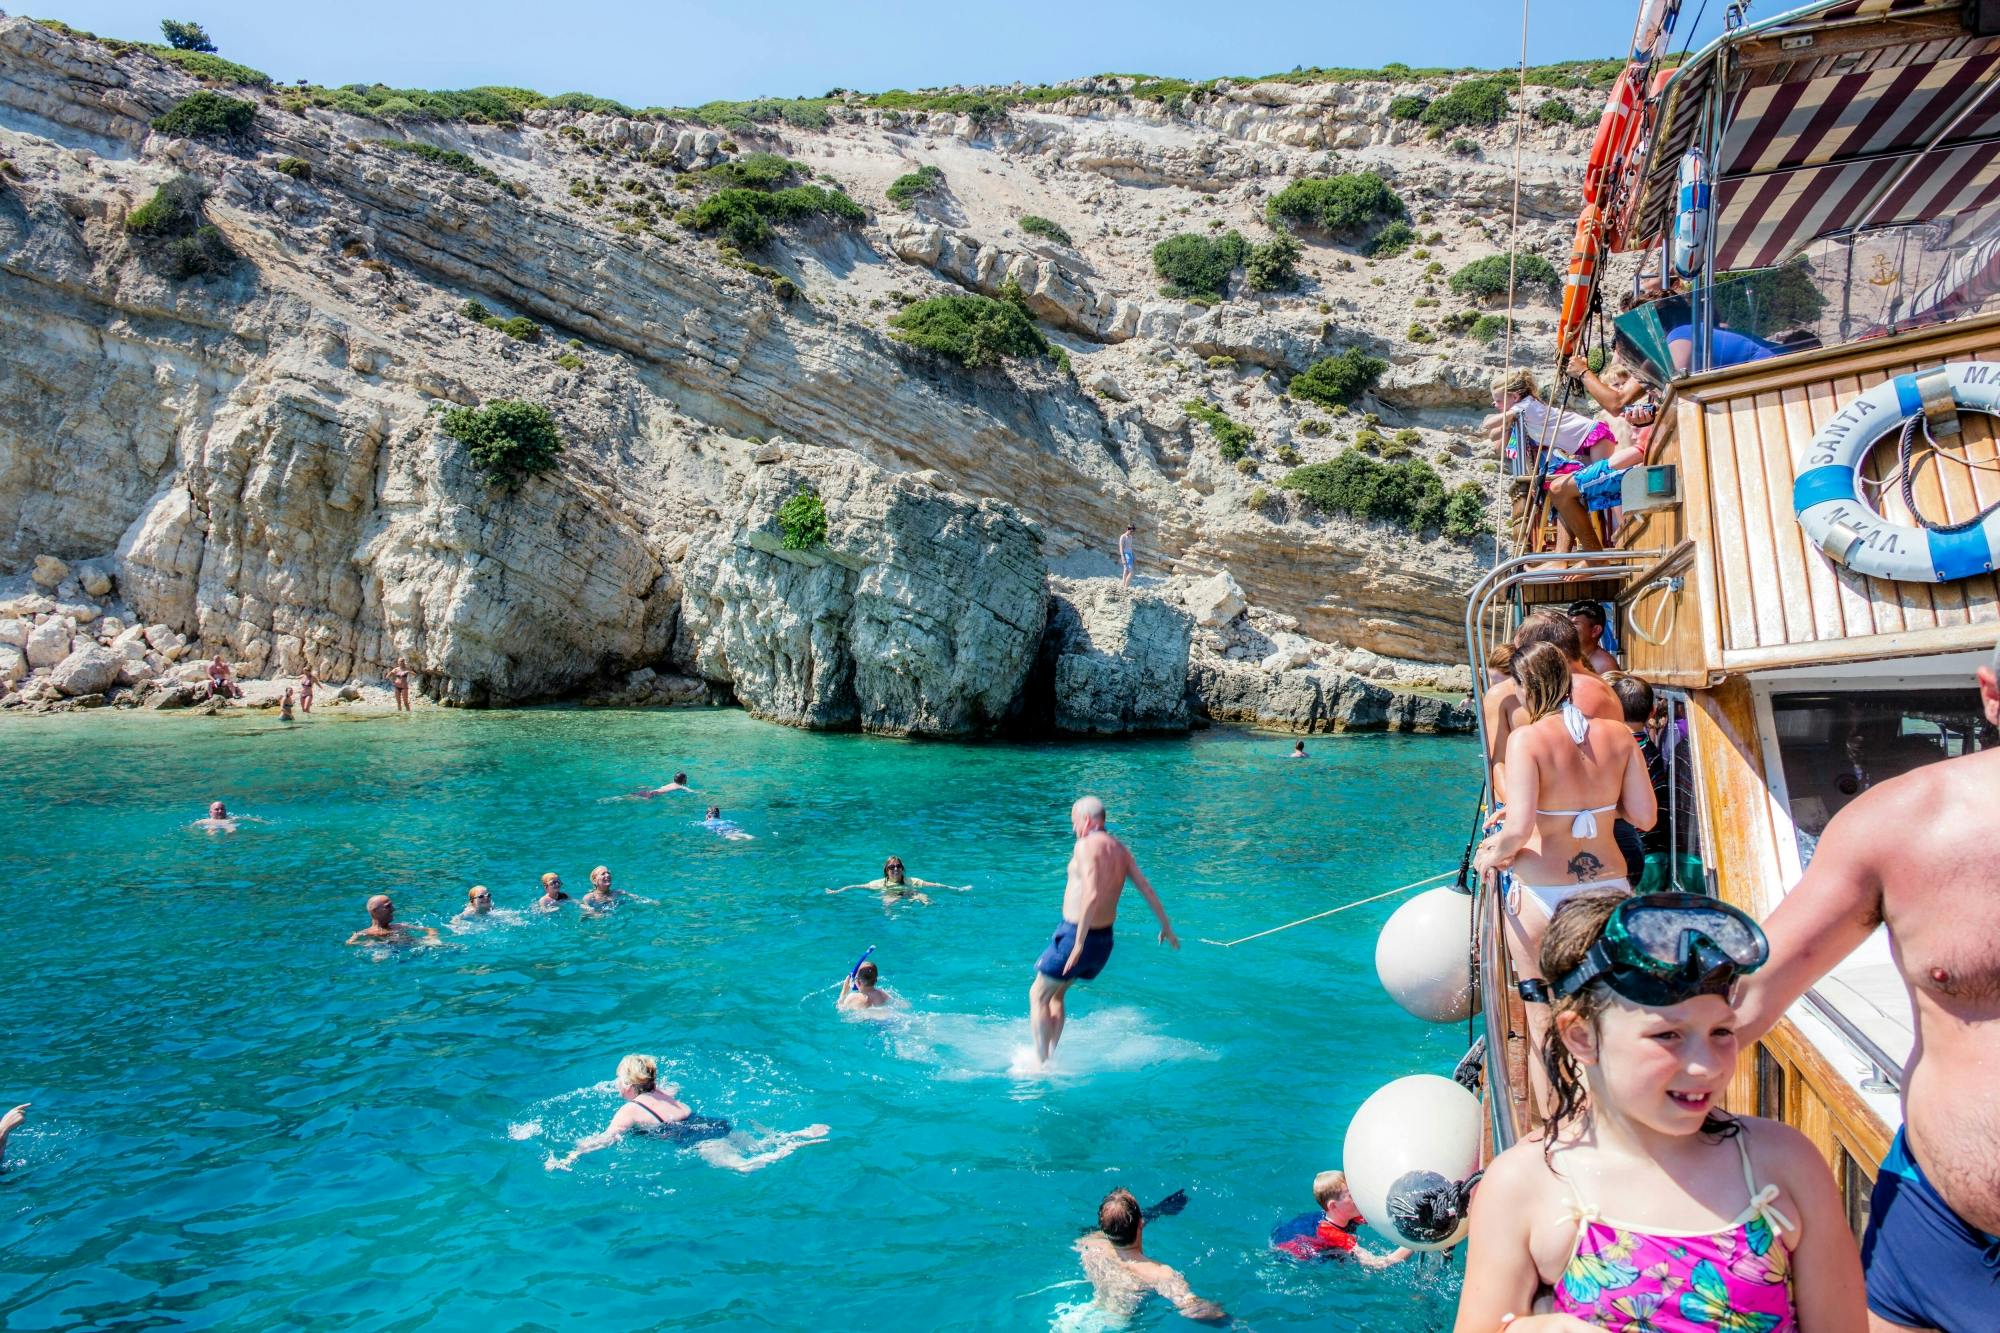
918 615
48 571
1214 601
90 670
48 642
13 664
14 632
1113 660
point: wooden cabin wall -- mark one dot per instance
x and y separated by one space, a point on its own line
1739 836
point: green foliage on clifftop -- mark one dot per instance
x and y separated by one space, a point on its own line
972 330
206 115
1409 494
507 439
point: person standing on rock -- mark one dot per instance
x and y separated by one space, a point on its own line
1099 867
399 681
307 682
1125 554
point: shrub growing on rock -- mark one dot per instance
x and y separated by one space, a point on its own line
1196 265
1034 225
295 167
185 36
1335 380
1336 205
922 183
1408 494
508 439
1232 438
449 158
1554 111
1465 513
205 114
745 217
802 520
1488 277
1391 241
587 102
1463 147
172 235
1473 102
755 171
1274 265
519 327
971 330
1410 106
1488 327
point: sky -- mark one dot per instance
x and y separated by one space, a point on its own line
694 51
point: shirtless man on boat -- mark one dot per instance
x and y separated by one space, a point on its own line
383 928
1098 869
1917 853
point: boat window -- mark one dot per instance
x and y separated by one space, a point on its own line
1770 1085
1673 847
1856 1192
1836 745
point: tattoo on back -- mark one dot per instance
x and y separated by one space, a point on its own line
1584 867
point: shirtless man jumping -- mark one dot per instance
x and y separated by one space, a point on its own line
383 928
1098 869
1916 853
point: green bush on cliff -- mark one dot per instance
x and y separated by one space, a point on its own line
1410 106
745 217
295 167
587 102
755 171
172 236
802 520
1465 513
186 36
449 158
923 183
1391 241
1035 225
508 439
1409 494
971 330
174 209
1488 276
1274 265
1199 266
205 114
1555 111
1232 438
1339 206
1335 380
1474 102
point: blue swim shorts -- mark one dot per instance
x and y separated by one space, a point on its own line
1600 487
1096 953
1926 1268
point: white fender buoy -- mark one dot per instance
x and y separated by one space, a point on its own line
1424 956
1409 1149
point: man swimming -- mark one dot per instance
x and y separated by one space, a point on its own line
1115 1260
680 783
383 928
219 819
895 885
1298 750
553 896
859 990
724 828
602 897
8 1124
1098 869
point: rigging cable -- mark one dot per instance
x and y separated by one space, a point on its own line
1333 911
1514 232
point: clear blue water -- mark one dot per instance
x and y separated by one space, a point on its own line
241 1123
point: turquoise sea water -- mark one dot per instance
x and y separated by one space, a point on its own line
241 1123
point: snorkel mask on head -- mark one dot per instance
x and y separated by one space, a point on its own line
1663 949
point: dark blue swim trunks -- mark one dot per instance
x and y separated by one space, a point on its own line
1925 1267
1096 953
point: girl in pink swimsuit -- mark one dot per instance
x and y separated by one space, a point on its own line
1643 1206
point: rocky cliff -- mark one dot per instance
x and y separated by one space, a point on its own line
256 454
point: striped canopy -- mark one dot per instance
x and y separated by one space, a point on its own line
1854 113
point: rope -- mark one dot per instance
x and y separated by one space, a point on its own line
1514 231
1332 911
1909 478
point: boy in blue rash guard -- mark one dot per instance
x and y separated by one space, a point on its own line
1098 869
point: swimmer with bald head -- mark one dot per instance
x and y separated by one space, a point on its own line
1099 867
383 928
219 819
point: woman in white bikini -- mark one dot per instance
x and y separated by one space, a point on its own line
1569 780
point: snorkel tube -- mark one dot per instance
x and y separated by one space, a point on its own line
855 971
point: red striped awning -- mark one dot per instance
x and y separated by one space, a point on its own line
1860 112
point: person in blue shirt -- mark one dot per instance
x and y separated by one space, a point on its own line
1726 347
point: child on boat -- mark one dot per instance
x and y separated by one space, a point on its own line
1329 1233
1721 1221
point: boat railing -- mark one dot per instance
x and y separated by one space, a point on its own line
1494 979
1888 1071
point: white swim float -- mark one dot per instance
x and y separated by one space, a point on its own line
1832 513
1409 1151
1424 956
1690 231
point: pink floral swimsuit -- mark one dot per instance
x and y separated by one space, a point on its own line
1736 1280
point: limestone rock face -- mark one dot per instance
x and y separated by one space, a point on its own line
1313 700
919 615
1114 660
91 670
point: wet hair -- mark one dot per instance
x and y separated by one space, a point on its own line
1635 694
1550 627
681 778
1577 924
714 812
867 974
474 892
1521 383
641 1073
1328 1186
1501 658
1589 610
893 864
1543 674
1118 1217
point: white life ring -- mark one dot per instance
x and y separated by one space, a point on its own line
1832 513
1690 214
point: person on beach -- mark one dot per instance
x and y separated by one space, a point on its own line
478 902
399 681
1125 554
307 684
723 828
221 684
285 706
1123 1275
1643 1205
896 886
602 897
553 896
8 1124
1099 867
219 819
1915 853
859 991
383 928
1298 750
655 1110
1570 778
1329 1233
